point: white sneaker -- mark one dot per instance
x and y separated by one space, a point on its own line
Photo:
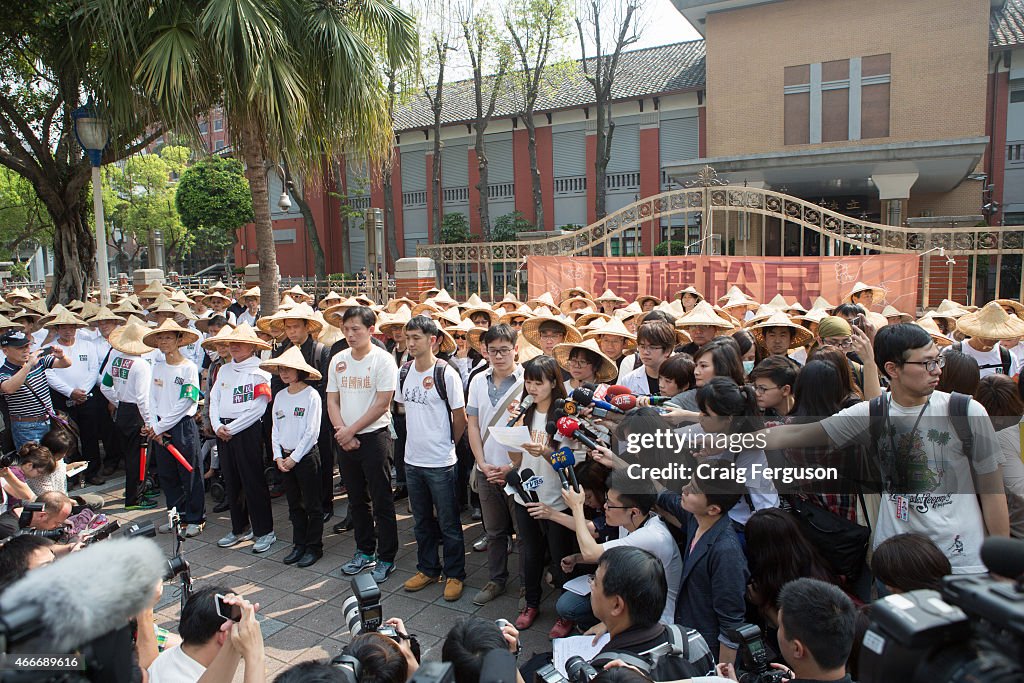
165 528
231 539
263 543
193 530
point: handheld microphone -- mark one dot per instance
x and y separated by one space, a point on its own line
523 407
585 397
558 460
653 400
625 402
570 407
570 427
516 482
567 462
558 406
552 429
69 611
526 475
616 390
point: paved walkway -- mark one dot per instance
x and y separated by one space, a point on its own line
300 609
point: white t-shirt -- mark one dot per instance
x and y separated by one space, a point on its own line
655 538
1013 476
932 493
549 486
428 440
358 381
296 422
174 666
990 362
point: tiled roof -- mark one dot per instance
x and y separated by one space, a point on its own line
1006 25
641 73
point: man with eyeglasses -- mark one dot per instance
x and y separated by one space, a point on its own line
493 401
932 484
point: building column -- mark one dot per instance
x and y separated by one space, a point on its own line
650 176
894 191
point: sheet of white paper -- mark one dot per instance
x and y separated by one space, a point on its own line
511 437
580 585
564 648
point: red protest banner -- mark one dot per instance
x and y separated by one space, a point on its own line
762 277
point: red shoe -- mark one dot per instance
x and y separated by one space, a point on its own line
562 628
526 618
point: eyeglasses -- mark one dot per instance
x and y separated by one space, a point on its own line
760 390
929 365
497 353
579 363
459 336
843 343
517 323
616 507
647 348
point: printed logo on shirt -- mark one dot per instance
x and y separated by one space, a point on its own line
158 382
428 383
242 394
83 358
179 381
299 412
356 382
120 368
341 366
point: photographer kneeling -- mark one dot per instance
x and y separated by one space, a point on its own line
370 658
469 641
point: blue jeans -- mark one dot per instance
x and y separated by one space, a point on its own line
576 608
433 489
23 432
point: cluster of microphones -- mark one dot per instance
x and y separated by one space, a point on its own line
569 423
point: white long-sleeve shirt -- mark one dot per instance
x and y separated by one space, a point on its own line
82 372
241 393
127 379
173 394
296 422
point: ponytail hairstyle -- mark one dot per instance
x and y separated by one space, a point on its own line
726 398
38 456
539 369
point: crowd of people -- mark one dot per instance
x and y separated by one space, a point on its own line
856 419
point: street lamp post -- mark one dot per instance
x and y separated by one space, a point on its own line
93 134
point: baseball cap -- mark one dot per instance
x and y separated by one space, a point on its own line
14 338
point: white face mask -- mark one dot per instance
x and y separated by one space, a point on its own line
748 365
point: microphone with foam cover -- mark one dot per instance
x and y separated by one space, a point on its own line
625 402
585 397
1004 556
570 427
88 593
616 390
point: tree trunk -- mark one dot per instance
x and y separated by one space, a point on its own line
435 185
538 193
341 190
483 187
390 226
74 255
266 255
600 162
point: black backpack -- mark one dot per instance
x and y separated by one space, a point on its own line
1004 358
439 384
685 655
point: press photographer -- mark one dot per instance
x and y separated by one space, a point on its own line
56 507
468 642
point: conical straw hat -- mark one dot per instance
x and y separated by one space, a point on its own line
877 293
252 291
703 314
6 324
605 372
531 328
613 328
891 312
65 317
801 337
523 311
545 300
291 358
105 313
128 338
399 318
187 336
640 300
218 286
949 309
928 323
991 322
443 297
210 342
573 292
244 334
298 312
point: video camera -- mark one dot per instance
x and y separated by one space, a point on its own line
973 630
8 459
364 613
754 657
577 670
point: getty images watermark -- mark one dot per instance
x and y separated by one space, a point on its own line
715 446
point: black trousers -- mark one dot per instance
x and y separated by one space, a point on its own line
241 464
182 489
128 422
368 478
87 417
538 538
400 433
302 487
327 446
112 453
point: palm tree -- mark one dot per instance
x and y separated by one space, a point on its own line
300 81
